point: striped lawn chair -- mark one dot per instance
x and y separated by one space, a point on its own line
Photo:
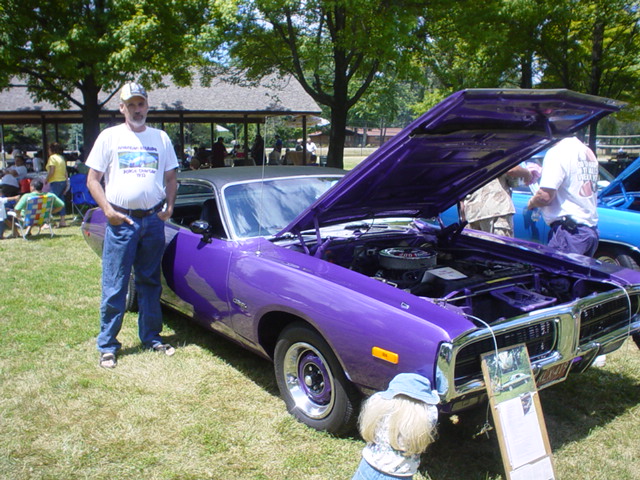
37 213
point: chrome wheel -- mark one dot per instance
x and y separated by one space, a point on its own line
312 382
309 380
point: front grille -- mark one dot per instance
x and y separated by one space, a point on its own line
539 338
598 320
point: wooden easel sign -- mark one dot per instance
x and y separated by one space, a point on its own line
517 414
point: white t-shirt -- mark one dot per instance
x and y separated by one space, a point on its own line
311 147
9 179
21 170
571 169
37 164
3 211
133 165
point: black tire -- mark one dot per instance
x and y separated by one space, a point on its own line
636 338
131 300
325 400
616 256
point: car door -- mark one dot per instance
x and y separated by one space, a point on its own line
196 269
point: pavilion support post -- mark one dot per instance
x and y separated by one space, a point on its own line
182 144
45 142
2 152
304 139
246 140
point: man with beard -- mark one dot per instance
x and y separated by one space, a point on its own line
138 165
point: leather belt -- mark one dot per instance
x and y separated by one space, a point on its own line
569 224
139 212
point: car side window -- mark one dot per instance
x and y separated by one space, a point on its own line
189 202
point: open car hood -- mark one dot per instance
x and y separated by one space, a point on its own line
456 147
627 181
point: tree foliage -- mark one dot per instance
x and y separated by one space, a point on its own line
69 51
591 46
335 48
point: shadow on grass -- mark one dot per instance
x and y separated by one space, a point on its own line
584 401
188 332
571 409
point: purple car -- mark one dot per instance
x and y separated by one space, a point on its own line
343 281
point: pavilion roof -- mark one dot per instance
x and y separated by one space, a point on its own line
224 100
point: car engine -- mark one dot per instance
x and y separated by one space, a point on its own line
485 286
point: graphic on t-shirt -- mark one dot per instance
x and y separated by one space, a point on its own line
588 173
138 160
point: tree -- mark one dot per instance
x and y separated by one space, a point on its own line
335 48
387 103
62 48
591 46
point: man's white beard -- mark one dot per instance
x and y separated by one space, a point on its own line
138 122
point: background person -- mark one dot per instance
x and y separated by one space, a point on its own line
257 150
490 208
57 176
37 163
9 185
19 167
36 187
311 148
138 164
567 197
218 153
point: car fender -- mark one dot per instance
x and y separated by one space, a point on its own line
352 312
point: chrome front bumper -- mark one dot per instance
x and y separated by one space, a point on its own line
559 339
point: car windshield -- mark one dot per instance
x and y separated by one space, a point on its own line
266 207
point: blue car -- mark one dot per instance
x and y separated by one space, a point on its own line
618 211
618 223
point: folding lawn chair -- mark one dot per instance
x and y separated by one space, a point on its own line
81 199
37 213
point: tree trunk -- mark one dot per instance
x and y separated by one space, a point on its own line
337 135
526 70
596 74
90 114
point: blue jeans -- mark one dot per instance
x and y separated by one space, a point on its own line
367 472
58 188
125 246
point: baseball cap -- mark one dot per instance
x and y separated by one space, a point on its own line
132 89
412 385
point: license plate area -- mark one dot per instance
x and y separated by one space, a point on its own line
552 375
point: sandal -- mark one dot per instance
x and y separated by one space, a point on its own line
108 360
165 348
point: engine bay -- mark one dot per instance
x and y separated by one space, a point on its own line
490 287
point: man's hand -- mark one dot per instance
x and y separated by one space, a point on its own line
542 198
116 218
165 214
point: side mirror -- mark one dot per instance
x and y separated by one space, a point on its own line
200 227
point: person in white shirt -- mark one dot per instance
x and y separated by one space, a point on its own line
311 148
567 197
9 185
37 162
138 165
19 167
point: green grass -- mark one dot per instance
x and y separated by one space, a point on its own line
212 411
